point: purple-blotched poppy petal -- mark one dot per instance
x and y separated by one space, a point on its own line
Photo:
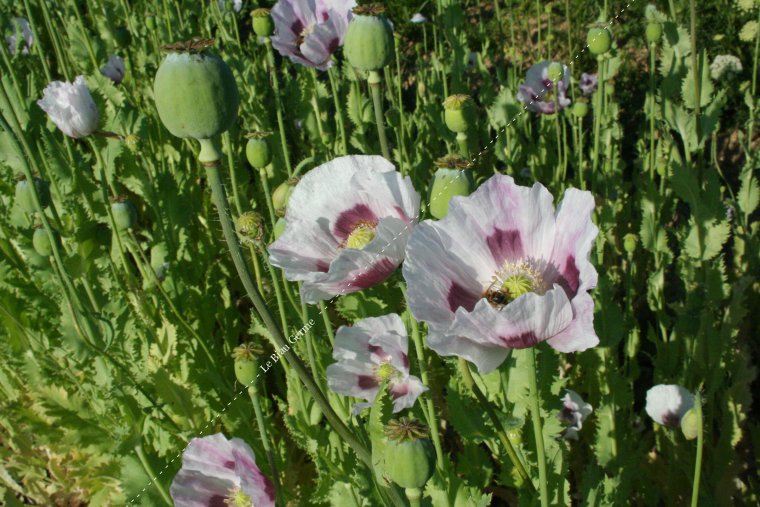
668 403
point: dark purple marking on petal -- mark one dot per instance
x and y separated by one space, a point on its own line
570 276
217 501
229 464
376 274
323 267
297 27
367 382
671 420
333 45
398 390
460 296
325 16
377 351
405 361
349 219
505 245
521 341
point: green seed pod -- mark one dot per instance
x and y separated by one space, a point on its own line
629 242
409 455
24 196
279 227
195 91
599 40
246 363
257 150
369 41
41 243
653 32
580 109
124 215
250 227
452 178
263 26
556 72
459 113
690 424
282 193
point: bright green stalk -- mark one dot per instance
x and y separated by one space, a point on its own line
377 99
535 415
464 368
278 104
697 75
151 473
328 324
338 111
754 87
219 197
598 112
464 148
652 157
700 445
315 106
253 393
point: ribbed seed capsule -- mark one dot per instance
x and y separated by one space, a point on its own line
369 41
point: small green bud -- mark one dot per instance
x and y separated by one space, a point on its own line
24 196
279 227
124 215
452 178
257 150
556 72
263 26
690 424
653 32
409 455
580 109
250 227
195 91
41 243
459 113
598 40
515 436
369 41
282 193
150 23
245 363
629 242
315 415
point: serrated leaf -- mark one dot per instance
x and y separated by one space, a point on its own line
705 242
748 196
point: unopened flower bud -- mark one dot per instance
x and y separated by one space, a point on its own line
24 197
580 108
690 424
257 150
282 193
369 41
124 214
598 40
263 25
41 242
459 113
195 91
245 362
653 32
409 455
452 178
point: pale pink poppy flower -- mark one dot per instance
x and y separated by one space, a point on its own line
667 404
574 412
538 94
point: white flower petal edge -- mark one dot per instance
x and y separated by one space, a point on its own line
574 412
667 404
70 107
326 208
363 351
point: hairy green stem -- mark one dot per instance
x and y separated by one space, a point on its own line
152 474
377 99
535 415
278 104
253 393
700 445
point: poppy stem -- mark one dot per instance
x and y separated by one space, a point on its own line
278 105
700 445
374 80
253 393
470 383
535 415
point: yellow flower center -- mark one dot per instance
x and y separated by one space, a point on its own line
385 372
361 236
512 281
237 498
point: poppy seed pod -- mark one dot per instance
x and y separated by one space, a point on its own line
459 113
369 41
195 91
653 32
580 109
257 150
599 40
409 455
24 196
556 72
281 194
262 22
690 424
124 215
245 363
452 178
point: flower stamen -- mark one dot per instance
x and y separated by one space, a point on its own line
361 236
512 281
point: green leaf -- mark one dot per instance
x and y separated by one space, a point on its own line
749 193
706 88
705 242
